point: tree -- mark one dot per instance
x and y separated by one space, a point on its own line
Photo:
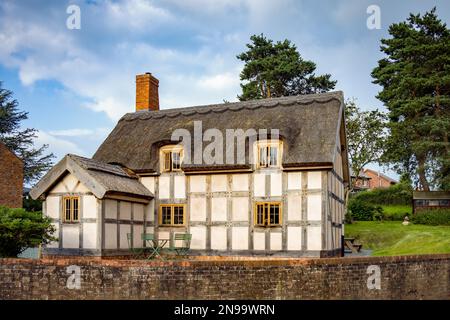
277 69
20 230
21 141
415 81
366 133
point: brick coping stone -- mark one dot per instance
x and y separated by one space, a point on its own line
219 261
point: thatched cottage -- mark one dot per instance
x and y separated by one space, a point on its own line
283 196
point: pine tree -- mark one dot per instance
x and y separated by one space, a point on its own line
277 69
21 141
415 81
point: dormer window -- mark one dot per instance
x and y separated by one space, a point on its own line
269 154
171 157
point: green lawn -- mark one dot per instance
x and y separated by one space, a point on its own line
391 238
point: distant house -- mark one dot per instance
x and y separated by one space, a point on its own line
360 182
284 197
378 180
11 178
430 200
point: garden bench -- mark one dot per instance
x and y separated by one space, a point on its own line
351 245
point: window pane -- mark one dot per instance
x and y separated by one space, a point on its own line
274 214
260 214
263 156
176 158
167 161
178 215
273 156
68 209
166 215
75 209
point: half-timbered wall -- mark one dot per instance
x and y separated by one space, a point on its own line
220 210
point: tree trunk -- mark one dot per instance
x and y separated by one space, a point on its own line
422 176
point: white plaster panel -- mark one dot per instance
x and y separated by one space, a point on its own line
294 208
89 207
197 183
124 229
90 235
60 186
239 209
125 210
259 184
294 180
314 238
138 212
110 236
275 241
110 209
81 188
150 211
137 236
180 187
150 230
198 237
259 241
314 207
53 207
70 181
240 182
315 180
294 238
218 238
239 238
198 209
149 183
219 209
275 184
71 236
54 244
164 187
219 182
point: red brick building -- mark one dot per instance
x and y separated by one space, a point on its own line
11 178
378 180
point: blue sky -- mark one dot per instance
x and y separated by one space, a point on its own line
76 84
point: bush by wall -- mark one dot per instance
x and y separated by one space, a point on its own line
432 217
399 194
20 230
363 211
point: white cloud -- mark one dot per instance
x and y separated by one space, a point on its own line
79 132
60 147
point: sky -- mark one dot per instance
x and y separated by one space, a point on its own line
77 83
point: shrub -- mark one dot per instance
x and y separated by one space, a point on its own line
363 211
399 194
20 230
396 212
432 217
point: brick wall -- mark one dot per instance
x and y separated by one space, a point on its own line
407 277
11 178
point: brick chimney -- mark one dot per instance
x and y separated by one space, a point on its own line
147 92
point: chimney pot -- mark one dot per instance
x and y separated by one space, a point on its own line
147 92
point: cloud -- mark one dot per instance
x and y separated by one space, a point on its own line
79 132
59 147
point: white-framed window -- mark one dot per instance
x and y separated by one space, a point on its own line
268 154
171 158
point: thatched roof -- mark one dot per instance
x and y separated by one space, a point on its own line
100 178
308 125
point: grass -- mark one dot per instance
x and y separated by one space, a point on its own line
396 212
390 238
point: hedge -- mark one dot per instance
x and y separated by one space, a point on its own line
398 194
432 217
